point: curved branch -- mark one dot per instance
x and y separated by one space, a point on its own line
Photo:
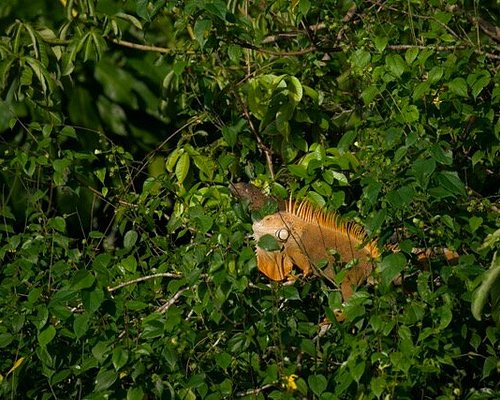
144 278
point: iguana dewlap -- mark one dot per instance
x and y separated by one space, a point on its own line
307 237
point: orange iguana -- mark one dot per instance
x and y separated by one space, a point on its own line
307 236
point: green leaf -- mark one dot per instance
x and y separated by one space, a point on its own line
475 223
304 6
411 54
422 170
294 89
340 177
130 263
46 336
58 223
299 171
435 74
283 117
357 369
490 366
491 279
441 155
376 220
68 131
369 94
201 31
119 357
477 157
104 380
141 8
421 90
410 113
317 383
101 174
217 8
377 385
234 52
458 86
204 223
337 199
130 239
269 243
395 64
423 288
135 393
413 313
81 324
450 181
480 83
5 339
230 134
223 360
291 293
360 58
93 298
316 199
380 43
182 168
391 266
101 261
82 280
117 83
401 197
96 235
445 316
322 187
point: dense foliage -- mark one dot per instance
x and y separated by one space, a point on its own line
127 268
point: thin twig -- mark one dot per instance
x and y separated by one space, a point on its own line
293 34
251 392
278 53
162 309
144 47
165 50
489 29
266 150
145 278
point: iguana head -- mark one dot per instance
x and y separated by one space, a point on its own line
278 225
276 265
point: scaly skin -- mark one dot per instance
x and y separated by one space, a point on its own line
307 237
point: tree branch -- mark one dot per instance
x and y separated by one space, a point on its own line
145 278
143 47
164 308
266 150
251 392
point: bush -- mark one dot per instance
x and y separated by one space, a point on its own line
128 268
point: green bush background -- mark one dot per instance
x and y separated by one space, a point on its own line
122 125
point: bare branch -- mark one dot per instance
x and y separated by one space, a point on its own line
144 47
145 278
251 392
162 309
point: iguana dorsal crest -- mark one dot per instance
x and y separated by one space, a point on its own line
349 233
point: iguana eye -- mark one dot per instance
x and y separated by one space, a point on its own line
282 234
